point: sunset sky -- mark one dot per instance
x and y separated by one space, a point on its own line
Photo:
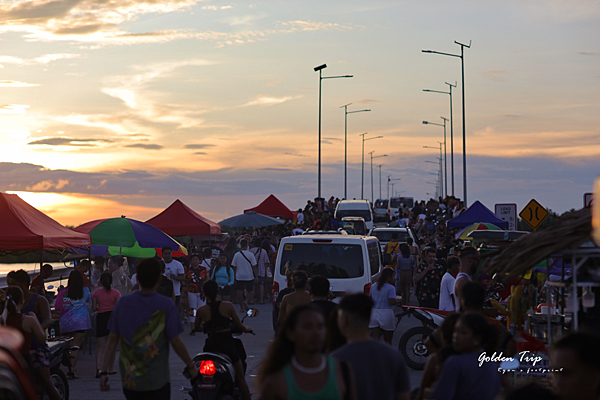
119 107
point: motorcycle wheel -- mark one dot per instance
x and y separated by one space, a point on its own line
412 346
59 379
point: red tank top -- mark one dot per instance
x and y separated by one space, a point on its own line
16 321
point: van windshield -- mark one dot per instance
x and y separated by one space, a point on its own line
381 204
365 214
326 259
395 203
386 236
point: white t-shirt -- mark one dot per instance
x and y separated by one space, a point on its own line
300 218
206 264
175 268
446 290
244 270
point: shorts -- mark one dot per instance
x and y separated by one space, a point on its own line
241 285
261 280
102 324
40 357
226 291
382 318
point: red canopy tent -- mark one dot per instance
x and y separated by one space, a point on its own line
23 227
180 220
273 207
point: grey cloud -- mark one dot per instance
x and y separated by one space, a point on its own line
331 138
199 152
69 142
85 29
145 146
34 12
584 53
276 169
198 146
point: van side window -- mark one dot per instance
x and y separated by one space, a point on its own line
373 249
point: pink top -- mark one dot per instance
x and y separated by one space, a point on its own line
106 299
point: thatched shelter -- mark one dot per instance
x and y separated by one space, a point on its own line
568 233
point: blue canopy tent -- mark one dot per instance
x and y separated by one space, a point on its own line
476 213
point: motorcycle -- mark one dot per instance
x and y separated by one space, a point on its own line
216 374
412 343
60 354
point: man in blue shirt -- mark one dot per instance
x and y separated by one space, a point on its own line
145 322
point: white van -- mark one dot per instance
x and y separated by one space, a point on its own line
355 208
351 263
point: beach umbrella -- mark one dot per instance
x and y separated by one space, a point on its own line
478 226
250 219
128 237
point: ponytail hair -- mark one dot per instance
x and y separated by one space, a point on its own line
14 296
106 280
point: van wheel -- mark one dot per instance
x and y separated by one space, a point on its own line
412 346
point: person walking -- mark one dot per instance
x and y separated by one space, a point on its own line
121 281
145 323
448 300
196 275
404 273
72 303
262 263
384 299
224 275
428 279
295 367
217 317
319 296
103 301
469 261
175 272
464 376
245 275
298 297
382 370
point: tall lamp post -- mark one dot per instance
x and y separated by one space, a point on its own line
445 152
321 77
462 62
450 86
372 157
440 160
380 165
346 112
388 186
362 172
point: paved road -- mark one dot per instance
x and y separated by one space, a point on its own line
87 387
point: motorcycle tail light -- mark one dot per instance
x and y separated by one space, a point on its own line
275 292
367 288
207 367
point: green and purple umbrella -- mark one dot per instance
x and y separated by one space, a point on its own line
128 237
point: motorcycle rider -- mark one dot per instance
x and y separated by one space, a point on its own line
217 317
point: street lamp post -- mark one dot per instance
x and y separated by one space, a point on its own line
346 112
449 92
388 185
462 62
372 157
445 152
321 77
362 173
380 165
440 161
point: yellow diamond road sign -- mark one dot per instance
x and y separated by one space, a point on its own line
534 214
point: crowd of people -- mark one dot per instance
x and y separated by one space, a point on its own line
321 350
